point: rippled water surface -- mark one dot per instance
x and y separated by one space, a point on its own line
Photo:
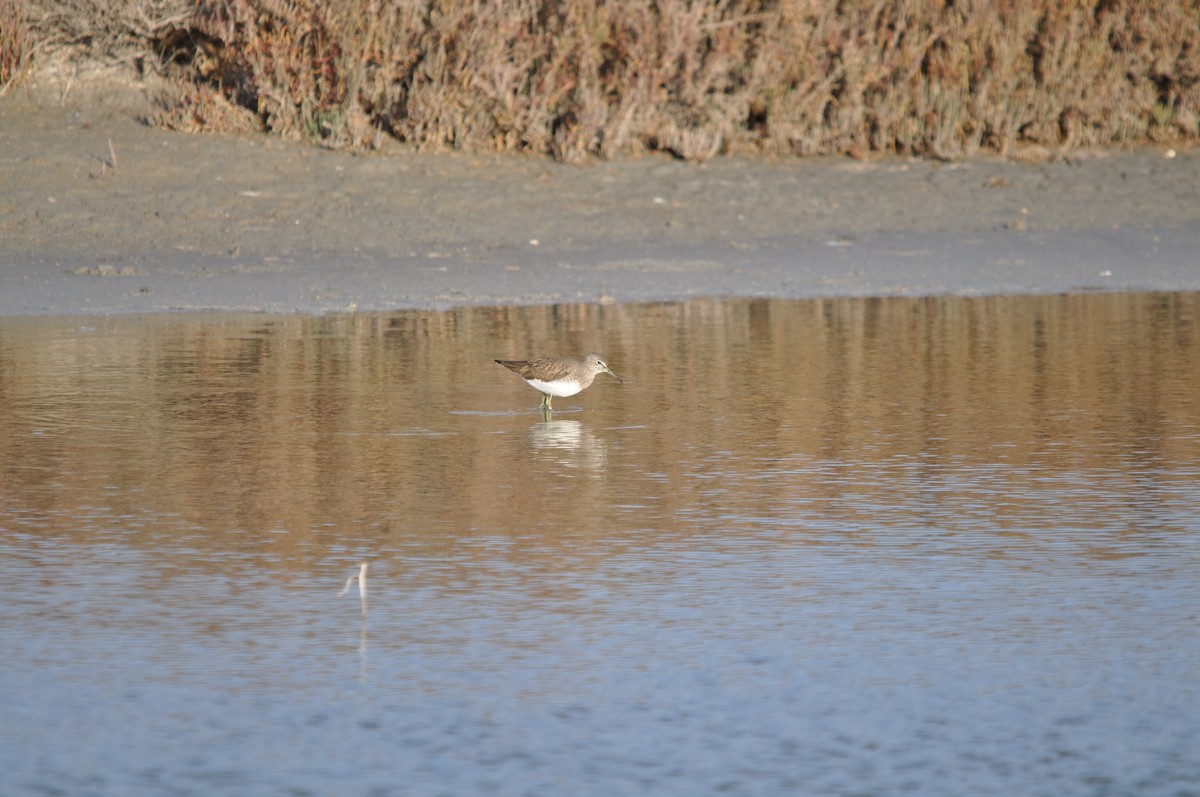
861 547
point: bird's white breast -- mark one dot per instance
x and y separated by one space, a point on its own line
561 389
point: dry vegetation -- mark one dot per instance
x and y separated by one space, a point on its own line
14 43
695 78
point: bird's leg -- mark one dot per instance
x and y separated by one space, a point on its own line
546 397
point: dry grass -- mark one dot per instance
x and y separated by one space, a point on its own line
692 77
15 43
107 31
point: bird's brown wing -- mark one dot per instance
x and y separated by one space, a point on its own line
544 368
515 366
547 370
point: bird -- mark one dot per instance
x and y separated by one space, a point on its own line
559 376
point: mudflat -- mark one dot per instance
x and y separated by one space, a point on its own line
100 213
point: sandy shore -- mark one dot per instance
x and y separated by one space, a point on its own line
102 214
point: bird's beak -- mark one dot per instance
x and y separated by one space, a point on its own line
614 375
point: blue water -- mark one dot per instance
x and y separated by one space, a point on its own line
719 578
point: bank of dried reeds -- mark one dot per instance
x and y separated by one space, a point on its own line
14 42
692 77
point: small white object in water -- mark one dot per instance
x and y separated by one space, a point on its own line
361 575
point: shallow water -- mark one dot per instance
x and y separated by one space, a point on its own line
936 546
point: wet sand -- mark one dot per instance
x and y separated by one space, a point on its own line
100 213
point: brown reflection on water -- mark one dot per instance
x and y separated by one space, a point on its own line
299 437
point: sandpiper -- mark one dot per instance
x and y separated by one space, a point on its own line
559 376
